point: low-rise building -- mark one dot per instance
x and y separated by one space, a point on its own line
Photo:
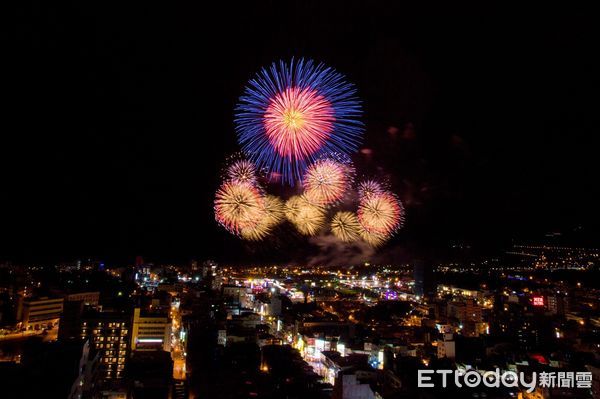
91 298
38 313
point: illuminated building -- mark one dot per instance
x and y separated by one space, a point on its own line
151 331
222 337
41 312
88 298
557 304
444 290
465 311
233 292
446 347
109 334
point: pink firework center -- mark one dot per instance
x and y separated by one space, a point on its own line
298 122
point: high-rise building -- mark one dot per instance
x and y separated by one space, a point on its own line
557 304
70 320
87 373
73 308
151 331
465 311
51 370
109 333
424 280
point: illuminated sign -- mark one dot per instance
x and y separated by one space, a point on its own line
320 344
150 340
341 348
538 301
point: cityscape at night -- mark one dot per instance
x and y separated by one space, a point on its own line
299 200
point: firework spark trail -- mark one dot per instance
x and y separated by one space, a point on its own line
345 226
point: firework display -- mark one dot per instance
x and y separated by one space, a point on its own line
238 205
299 122
326 181
381 213
291 113
345 226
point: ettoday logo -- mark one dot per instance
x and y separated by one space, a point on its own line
507 379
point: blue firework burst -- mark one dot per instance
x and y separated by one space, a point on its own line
292 113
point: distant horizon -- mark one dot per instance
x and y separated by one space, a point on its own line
442 252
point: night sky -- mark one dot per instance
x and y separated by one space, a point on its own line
117 121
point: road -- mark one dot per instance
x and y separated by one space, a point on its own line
177 346
50 336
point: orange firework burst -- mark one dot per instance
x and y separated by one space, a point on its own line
381 213
326 181
345 226
238 205
306 216
272 215
292 206
372 238
274 210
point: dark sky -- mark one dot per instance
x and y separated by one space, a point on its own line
117 120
